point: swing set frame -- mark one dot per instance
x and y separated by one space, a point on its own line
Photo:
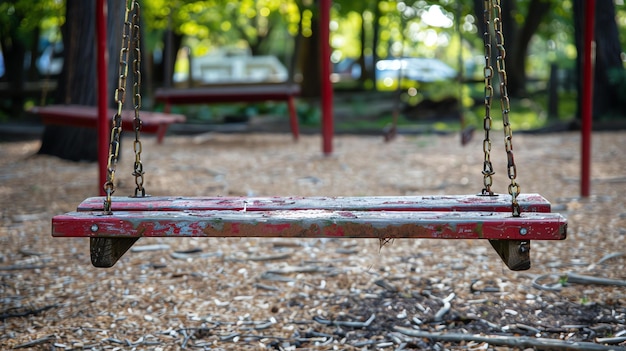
114 224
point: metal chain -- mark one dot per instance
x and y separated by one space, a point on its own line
514 188
128 33
138 167
488 171
116 129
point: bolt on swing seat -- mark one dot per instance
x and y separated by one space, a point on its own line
114 224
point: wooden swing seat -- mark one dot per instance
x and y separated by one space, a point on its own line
434 217
87 116
232 94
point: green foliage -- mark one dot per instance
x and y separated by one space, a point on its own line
406 28
19 18
209 24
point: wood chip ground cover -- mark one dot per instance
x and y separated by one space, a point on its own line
317 294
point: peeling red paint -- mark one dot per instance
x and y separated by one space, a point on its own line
314 223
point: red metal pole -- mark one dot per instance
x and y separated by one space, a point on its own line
327 88
587 98
101 69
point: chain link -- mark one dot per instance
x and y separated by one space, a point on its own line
138 166
488 171
494 6
505 105
116 129
130 33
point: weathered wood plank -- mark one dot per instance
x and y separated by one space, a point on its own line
313 223
498 203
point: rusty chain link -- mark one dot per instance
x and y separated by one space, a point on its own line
505 105
130 33
488 171
138 166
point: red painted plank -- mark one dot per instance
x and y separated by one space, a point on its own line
228 93
499 203
313 223
87 116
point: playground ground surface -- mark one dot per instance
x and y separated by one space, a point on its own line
317 294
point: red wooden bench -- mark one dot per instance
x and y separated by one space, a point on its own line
87 116
234 93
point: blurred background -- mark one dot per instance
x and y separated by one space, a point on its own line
410 62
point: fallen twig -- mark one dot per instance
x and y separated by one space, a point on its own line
299 269
155 247
276 278
586 279
386 285
613 340
7 315
351 324
487 289
265 287
511 341
606 258
17 267
574 278
35 342
551 287
521 328
184 255
186 338
445 309
260 258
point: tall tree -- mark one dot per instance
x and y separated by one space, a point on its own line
517 37
77 83
308 45
369 13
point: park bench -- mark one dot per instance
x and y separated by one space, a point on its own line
87 116
232 94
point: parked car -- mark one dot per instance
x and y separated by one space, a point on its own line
50 63
348 69
234 67
420 70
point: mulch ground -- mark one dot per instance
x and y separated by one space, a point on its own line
321 294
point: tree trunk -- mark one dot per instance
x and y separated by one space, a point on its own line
77 82
516 39
519 41
375 40
608 61
310 65
163 71
361 61
14 53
